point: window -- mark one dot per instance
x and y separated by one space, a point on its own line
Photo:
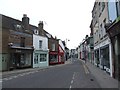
40 44
35 31
36 59
22 44
18 27
43 57
104 31
53 47
101 31
103 5
53 58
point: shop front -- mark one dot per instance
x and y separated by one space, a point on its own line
114 33
97 61
20 57
53 57
104 58
40 58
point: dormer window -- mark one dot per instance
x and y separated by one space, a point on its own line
18 27
36 31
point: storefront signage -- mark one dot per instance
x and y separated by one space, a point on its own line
18 51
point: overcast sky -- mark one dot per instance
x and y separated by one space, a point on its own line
66 19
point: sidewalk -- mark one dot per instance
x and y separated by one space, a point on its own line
102 77
19 71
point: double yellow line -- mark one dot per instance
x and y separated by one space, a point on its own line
86 69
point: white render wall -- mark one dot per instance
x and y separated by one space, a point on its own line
43 50
61 44
36 39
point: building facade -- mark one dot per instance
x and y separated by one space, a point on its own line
17 45
53 44
113 30
40 43
40 54
102 45
61 52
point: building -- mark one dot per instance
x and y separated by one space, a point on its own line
113 30
41 51
53 50
89 49
61 52
17 45
91 43
72 53
102 45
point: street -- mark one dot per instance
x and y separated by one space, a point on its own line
72 75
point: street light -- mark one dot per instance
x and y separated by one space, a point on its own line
66 41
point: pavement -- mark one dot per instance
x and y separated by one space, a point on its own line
19 71
104 79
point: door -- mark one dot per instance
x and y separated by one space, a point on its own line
35 62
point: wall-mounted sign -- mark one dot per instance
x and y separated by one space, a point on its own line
18 51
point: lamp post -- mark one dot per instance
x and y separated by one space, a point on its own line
66 41
66 49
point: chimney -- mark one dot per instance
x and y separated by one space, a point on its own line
25 22
40 26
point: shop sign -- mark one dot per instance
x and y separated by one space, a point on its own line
18 51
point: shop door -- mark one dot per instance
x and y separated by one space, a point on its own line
36 64
17 59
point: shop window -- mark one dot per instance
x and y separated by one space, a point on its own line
43 57
22 59
53 58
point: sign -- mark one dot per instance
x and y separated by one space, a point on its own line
18 51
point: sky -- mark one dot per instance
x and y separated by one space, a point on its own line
65 19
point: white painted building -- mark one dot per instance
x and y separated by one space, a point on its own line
40 54
61 54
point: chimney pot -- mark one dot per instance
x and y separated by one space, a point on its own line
24 15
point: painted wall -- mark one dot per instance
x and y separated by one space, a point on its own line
36 39
3 62
61 44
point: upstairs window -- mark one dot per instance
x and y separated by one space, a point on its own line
40 44
53 47
22 44
36 31
103 5
18 27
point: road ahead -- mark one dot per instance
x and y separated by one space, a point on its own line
72 75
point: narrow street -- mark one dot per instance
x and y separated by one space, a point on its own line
72 75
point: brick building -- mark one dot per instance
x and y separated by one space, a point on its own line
17 45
